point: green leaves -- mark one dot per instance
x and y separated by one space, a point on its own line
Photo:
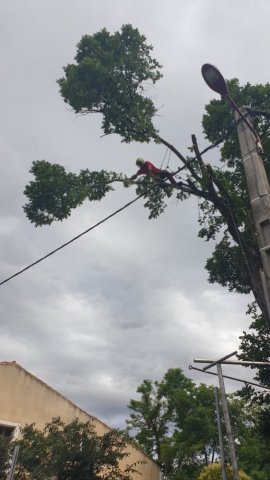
54 192
72 451
219 118
213 472
227 267
4 456
174 421
155 195
109 77
228 264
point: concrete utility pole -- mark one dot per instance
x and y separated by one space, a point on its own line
257 181
259 194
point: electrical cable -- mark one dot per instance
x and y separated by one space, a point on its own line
240 240
73 239
80 234
243 251
254 112
213 145
109 216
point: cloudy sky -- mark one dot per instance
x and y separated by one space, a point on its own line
130 299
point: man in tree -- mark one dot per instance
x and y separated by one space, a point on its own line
109 77
154 173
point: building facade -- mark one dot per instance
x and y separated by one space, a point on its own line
25 399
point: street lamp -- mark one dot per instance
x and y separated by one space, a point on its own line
217 82
257 181
214 79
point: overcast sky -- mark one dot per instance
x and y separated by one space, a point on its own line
130 299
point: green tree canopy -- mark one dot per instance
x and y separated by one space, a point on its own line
174 421
111 76
213 472
71 451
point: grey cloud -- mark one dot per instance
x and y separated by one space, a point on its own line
130 299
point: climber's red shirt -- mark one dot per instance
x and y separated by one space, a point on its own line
148 168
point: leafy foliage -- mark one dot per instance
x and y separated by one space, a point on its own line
228 257
252 446
54 192
226 267
108 78
255 347
4 456
217 121
174 421
213 472
155 195
70 452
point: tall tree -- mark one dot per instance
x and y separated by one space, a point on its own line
152 414
174 421
110 76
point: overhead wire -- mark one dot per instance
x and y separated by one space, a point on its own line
73 239
240 240
111 215
79 235
255 112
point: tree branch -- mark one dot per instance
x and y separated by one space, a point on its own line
186 163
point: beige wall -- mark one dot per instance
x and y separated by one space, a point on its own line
25 399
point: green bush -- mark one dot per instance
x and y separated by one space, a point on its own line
213 472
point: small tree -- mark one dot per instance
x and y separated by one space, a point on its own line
213 472
70 452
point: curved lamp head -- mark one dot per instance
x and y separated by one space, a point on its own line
214 79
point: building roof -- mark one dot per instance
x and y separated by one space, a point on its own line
44 384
